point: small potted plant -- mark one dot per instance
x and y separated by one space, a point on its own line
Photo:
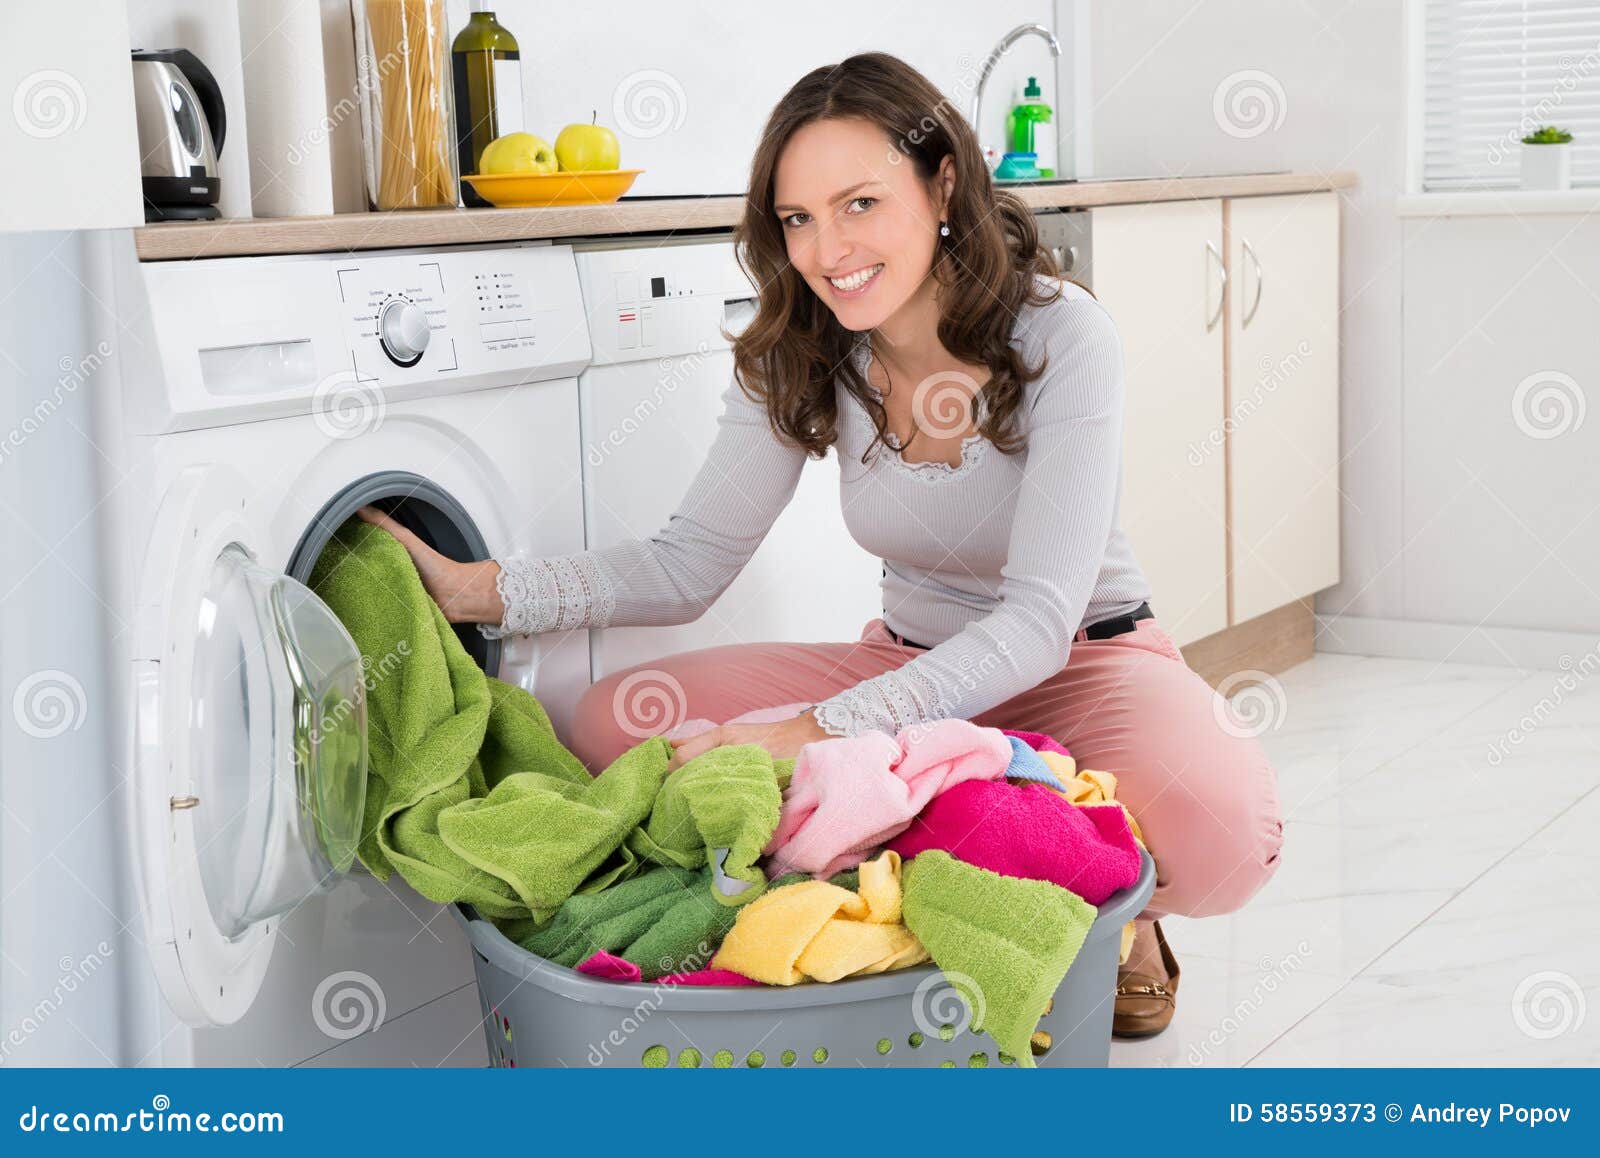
1547 159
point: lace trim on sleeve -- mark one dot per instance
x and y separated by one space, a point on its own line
886 703
558 593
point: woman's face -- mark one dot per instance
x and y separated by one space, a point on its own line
861 228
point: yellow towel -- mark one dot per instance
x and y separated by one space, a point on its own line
1091 787
1087 786
821 932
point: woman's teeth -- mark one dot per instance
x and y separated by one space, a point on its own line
852 282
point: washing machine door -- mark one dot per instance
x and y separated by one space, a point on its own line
249 747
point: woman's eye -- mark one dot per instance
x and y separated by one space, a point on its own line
790 221
869 202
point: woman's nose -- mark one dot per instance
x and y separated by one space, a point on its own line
833 246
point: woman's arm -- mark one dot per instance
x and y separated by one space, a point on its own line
1065 511
748 477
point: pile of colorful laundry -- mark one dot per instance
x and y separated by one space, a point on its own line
983 851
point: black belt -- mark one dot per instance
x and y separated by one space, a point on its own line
1104 629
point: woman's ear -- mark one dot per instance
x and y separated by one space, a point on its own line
947 183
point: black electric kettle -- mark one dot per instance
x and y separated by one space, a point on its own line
181 121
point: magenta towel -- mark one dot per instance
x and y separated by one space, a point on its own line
851 794
1038 741
610 967
710 977
1029 831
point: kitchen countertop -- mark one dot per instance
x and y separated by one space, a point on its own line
347 232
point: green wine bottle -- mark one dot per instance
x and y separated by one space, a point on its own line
487 71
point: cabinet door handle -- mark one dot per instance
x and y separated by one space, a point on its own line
1222 286
1255 303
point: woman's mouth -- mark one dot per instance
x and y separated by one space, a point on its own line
856 283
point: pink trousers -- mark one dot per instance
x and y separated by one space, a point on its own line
1204 794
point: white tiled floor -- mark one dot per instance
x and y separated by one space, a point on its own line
1431 906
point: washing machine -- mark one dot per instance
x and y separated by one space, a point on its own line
259 402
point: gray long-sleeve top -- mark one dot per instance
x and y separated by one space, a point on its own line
996 562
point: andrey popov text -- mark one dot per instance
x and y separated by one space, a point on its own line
1273 1113
1480 1116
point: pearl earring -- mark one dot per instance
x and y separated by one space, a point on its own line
944 230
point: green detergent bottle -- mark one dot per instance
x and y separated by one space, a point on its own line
1024 116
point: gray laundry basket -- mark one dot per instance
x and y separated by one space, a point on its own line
536 1013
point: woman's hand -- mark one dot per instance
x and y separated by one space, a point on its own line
465 592
782 738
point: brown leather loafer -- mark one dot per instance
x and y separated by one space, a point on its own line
1145 1004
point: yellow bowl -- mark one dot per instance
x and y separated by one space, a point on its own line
531 190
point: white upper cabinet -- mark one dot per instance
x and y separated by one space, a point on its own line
72 154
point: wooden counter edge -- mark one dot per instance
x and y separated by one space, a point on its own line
350 232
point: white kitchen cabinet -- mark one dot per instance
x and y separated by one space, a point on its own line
1157 269
69 140
1283 399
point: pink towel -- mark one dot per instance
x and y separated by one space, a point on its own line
1038 741
851 794
610 967
1029 831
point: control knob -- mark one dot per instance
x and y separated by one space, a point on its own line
403 331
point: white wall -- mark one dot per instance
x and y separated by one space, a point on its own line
687 86
1501 507
702 75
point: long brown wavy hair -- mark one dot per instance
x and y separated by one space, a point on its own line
793 350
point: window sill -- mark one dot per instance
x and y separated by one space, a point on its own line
1499 203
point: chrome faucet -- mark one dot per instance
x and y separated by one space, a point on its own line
1000 50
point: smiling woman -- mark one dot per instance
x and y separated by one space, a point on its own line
909 320
869 190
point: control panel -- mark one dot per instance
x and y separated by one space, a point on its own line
423 316
400 325
504 313
659 301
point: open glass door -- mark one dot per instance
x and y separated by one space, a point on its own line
249 745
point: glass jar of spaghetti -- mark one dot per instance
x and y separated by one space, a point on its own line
403 83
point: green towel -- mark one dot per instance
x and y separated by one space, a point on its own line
847 879
609 920
724 798
1005 943
664 921
471 796
544 836
427 706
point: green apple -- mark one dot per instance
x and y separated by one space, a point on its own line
517 153
587 148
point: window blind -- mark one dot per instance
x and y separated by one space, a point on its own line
1497 69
